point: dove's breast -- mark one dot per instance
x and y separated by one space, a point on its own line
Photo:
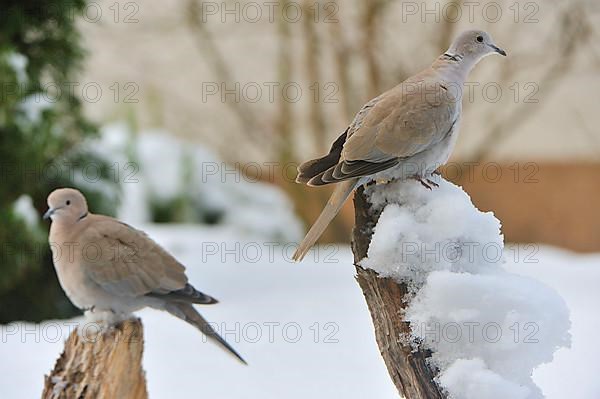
424 163
81 290
72 278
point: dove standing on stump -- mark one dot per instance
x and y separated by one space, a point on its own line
106 265
406 132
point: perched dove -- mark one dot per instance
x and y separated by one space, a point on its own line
105 265
406 132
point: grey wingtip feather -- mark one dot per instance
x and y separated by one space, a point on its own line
225 345
210 333
212 301
233 352
188 313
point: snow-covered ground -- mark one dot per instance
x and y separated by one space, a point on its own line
303 328
574 372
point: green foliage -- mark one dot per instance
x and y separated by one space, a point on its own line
41 129
29 289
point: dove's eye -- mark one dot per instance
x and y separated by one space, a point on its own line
480 39
68 202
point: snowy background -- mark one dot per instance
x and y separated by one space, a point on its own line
343 362
305 329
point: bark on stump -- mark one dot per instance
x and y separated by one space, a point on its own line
106 365
386 300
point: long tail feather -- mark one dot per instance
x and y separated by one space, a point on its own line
335 203
188 313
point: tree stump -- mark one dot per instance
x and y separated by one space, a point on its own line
104 365
386 300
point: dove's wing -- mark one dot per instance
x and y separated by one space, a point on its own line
313 172
404 122
126 262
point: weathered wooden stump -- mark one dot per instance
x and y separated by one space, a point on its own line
387 303
105 365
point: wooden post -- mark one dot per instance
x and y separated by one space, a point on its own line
104 366
386 301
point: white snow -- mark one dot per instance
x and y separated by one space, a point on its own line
471 378
432 231
23 207
488 328
160 157
273 293
574 371
33 106
509 323
18 62
304 329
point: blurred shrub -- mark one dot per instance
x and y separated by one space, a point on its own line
168 180
41 127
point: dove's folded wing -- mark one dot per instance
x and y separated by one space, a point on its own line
126 262
403 123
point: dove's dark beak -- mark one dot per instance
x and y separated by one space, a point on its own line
498 50
48 213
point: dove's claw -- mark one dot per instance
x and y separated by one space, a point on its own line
425 184
431 182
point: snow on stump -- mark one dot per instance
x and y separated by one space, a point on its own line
449 320
100 365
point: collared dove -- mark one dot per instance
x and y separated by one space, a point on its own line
406 132
105 265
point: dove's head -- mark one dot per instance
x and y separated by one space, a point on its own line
473 45
66 205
